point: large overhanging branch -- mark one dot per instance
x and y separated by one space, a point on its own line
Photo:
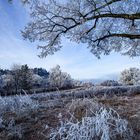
99 21
113 15
130 36
123 35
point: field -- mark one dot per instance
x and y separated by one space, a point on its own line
41 116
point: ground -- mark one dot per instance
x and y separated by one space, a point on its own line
47 115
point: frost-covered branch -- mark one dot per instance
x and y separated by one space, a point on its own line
104 25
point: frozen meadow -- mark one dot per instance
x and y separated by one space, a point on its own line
76 114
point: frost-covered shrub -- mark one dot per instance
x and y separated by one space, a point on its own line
23 103
6 79
6 84
105 124
130 76
82 107
110 83
59 79
17 104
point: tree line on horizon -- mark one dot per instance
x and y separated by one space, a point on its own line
22 78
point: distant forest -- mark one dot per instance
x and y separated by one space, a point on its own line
21 79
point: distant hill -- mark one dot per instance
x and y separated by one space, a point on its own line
106 77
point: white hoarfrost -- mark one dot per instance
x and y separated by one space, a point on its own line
20 106
130 76
17 104
101 123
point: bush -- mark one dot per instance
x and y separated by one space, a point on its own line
7 84
17 104
110 83
130 76
82 107
104 124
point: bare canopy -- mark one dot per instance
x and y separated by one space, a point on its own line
104 25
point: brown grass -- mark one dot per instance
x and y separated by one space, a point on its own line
34 123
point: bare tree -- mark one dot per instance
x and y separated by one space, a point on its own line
59 79
104 25
16 73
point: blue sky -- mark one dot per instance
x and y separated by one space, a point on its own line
73 58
